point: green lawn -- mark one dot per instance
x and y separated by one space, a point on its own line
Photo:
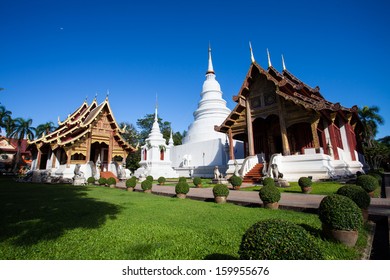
41 221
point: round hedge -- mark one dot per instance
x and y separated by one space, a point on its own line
197 181
235 181
376 175
91 180
182 187
340 212
357 194
102 181
131 183
269 194
305 182
274 239
146 185
111 181
220 190
161 180
268 181
182 179
149 178
367 182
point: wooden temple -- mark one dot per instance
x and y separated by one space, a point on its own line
90 136
276 113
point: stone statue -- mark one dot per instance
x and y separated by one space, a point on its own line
78 178
217 174
236 169
275 171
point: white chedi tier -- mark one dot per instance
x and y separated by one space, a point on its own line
211 111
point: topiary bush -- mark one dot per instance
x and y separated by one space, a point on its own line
275 239
146 185
367 182
340 213
111 181
197 181
305 182
161 180
235 181
268 181
149 178
269 194
91 180
182 187
376 175
220 190
102 181
131 183
357 194
182 179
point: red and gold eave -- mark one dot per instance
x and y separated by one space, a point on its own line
85 126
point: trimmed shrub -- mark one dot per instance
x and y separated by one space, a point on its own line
376 175
149 178
161 180
269 194
102 181
146 185
357 194
220 190
182 187
111 181
131 183
235 181
367 182
91 180
275 239
340 212
268 181
197 181
305 182
182 179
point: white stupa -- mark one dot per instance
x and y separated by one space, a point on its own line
203 148
155 155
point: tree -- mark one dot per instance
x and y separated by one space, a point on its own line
131 135
370 120
5 117
145 124
22 129
44 128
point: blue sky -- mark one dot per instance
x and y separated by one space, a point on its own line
55 53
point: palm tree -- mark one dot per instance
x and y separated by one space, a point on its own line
370 120
44 128
22 129
5 117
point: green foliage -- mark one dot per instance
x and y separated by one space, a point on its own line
91 180
161 180
102 181
269 194
236 181
275 239
367 182
146 185
111 181
149 178
304 182
131 183
182 179
340 213
220 190
197 181
376 175
357 194
268 181
182 187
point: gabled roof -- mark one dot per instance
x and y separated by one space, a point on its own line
287 86
78 124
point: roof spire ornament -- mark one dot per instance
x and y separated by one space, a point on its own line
283 64
269 59
252 56
107 94
155 110
210 69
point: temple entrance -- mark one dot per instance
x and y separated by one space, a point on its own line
99 155
300 137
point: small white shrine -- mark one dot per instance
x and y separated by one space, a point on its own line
155 155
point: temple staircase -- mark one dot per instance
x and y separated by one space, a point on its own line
254 175
108 174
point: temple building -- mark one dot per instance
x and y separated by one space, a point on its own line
204 148
89 139
283 121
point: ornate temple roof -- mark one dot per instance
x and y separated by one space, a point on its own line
78 124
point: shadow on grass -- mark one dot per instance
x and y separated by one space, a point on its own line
31 213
